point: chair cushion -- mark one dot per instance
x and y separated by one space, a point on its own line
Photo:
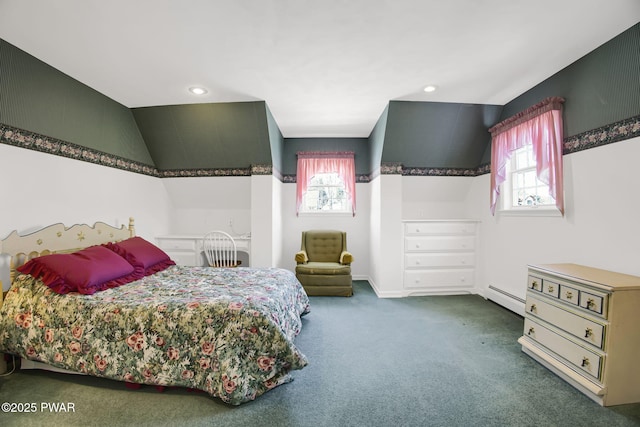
327 268
324 246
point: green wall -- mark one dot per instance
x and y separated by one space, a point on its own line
600 88
194 136
277 142
438 135
376 141
36 97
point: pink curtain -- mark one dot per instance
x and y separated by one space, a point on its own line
541 126
314 162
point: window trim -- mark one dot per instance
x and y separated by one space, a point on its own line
348 208
506 206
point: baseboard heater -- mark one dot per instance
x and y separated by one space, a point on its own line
507 300
493 288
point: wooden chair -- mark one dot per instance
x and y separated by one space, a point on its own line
220 249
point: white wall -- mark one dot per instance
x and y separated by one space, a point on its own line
600 227
386 277
202 204
435 197
40 189
277 224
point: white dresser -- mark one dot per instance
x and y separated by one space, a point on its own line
187 249
583 324
439 256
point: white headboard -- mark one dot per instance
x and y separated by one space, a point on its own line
57 238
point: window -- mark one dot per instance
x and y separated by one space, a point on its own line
326 182
325 192
523 189
529 142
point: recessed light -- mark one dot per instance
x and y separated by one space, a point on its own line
197 90
429 88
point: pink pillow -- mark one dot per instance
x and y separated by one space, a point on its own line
140 253
86 271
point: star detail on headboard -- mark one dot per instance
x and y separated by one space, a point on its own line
39 242
81 236
59 234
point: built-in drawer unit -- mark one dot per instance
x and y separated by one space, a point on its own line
581 323
439 256
187 249
183 250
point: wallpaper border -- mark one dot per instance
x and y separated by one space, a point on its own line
608 134
34 141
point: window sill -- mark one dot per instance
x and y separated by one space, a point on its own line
548 212
325 214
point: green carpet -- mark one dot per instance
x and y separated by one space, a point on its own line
419 361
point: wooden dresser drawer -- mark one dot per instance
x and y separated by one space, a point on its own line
583 360
569 294
590 300
586 330
550 288
534 283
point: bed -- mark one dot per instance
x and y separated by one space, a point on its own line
227 331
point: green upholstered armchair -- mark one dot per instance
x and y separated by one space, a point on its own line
324 264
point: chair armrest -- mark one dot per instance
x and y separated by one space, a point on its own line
301 257
346 258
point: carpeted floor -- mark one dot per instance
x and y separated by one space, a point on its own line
420 361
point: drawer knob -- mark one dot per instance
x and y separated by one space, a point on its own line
533 308
585 362
417 262
550 288
569 294
417 245
588 332
534 285
590 303
417 230
531 331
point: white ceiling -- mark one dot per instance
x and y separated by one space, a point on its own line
325 68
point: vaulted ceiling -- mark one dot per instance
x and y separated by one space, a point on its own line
324 68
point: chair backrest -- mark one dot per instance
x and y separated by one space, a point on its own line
220 249
324 245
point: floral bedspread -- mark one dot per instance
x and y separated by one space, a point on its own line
229 332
